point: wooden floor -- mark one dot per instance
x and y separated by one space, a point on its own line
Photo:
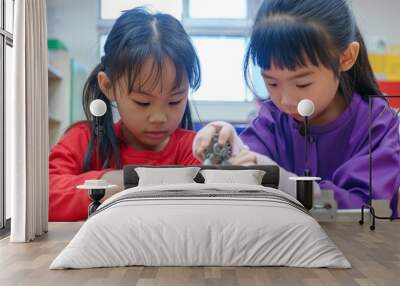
375 256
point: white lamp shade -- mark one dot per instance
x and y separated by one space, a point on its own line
305 108
98 107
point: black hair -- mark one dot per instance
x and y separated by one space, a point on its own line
137 36
288 32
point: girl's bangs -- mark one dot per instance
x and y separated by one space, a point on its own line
290 45
131 63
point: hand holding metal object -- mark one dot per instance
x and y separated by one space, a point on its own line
217 154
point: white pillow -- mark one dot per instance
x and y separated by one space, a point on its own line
165 176
248 177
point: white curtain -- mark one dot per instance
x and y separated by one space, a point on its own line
27 141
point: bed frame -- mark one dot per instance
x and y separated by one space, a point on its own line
270 179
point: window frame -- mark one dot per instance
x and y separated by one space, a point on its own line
205 28
220 27
6 39
196 27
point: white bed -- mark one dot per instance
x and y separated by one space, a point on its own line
201 225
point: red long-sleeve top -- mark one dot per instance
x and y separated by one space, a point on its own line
66 202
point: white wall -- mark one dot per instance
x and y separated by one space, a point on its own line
379 18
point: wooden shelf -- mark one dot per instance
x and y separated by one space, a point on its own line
59 79
66 79
54 121
53 73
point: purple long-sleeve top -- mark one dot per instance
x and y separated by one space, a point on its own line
338 152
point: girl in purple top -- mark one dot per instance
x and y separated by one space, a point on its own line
313 49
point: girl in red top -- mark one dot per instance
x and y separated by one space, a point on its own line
148 67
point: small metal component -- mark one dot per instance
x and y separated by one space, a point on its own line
217 154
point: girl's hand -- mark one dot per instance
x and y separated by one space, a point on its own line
114 177
203 138
244 158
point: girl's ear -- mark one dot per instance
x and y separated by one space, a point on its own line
105 85
349 56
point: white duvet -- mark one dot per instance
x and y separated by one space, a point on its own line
224 225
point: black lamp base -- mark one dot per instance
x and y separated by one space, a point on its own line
305 193
95 195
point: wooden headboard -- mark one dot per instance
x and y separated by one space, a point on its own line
270 179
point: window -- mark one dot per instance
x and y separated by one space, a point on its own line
219 34
6 42
221 59
220 31
9 12
8 74
208 9
111 9
103 39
